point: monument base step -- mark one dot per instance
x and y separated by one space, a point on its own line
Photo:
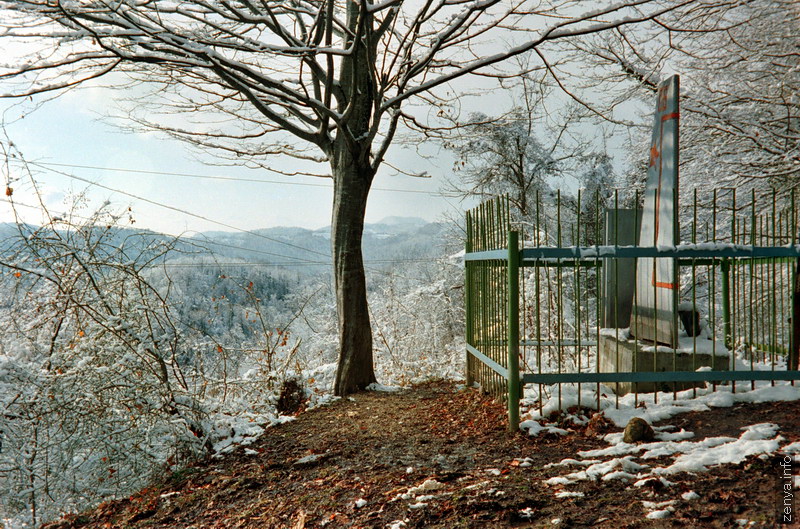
621 354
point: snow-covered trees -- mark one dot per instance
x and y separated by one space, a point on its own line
740 108
497 156
94 394
106 377
109 371
742 102
419 321
338 76
543 162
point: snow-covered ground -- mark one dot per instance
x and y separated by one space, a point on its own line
634 465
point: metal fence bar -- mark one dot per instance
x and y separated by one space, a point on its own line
497 368
469 302
727 333
660 376
486 292
513 331
590 253
588 342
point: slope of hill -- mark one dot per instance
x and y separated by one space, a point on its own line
231 324
438 456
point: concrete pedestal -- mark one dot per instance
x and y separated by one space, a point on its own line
623 355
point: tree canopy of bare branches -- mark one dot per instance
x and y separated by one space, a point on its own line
242 76
740 89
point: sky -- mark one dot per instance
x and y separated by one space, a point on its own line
68 146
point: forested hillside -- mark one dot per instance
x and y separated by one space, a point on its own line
126 353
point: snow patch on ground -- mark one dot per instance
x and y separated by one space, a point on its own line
793 448
568 494
658 515
659 510
375 386
628 462
672 436
619 468
692 456
664 482
757 439
568 461
427 485
230 431
534 428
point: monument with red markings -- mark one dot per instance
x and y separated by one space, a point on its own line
657 289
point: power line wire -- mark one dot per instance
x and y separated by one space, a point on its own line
184 212
53 214
300 261
309 263
201 242
184 239
223 178
209 241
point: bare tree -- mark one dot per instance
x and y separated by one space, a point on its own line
94 366
540 147
498 156
523 153
339 76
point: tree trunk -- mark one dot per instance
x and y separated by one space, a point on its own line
352 175
351 188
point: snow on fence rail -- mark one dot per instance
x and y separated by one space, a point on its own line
543 304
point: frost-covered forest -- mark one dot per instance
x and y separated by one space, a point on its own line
127 353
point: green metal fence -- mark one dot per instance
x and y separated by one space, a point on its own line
487 322
540 305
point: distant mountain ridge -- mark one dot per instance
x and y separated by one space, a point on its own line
392 237
389 239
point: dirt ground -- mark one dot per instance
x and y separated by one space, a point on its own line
371 449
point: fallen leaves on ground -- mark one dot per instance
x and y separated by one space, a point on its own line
437 456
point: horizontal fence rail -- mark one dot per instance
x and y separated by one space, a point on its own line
688 251
659 376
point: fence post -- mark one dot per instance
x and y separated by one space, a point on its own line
469 302
725 269
794 333
513 331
